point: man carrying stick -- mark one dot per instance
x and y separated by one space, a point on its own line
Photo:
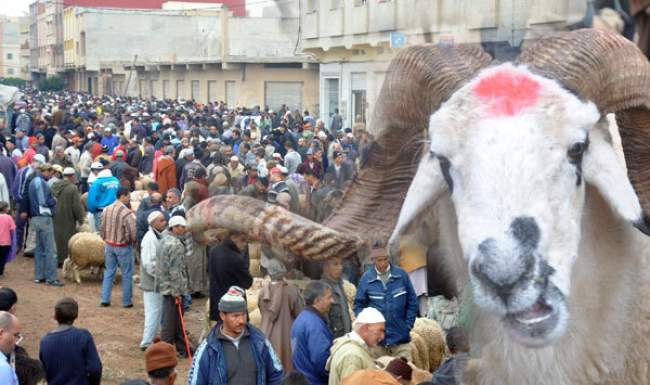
172 283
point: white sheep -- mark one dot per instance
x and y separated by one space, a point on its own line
539 217
86 253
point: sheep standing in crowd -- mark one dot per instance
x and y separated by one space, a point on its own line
86 253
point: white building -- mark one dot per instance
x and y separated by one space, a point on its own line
202 54
354 40
12 41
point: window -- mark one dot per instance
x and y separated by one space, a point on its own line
180 89
165 90
312 6
142 88
212 91
278 93
358 3
152 87
10 56
331 95
196 90
10 71
335 4
231 93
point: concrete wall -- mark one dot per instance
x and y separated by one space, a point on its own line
153 36
262 37
273 8
432 20
249 83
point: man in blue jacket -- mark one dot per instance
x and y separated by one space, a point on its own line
235 352
387 288
311 338
102 193
39 206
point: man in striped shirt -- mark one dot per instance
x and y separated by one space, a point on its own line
119 232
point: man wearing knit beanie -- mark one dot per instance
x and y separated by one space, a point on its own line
160 363
235 351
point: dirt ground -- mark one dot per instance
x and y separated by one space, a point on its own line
117 331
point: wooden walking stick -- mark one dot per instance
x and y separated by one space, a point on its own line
187 340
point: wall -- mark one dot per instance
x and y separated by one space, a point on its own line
432 20
187 37
278 36
238 7
249 82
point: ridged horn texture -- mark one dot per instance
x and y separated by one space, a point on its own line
271 224
418 80
613 73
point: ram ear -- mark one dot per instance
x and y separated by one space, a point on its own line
604 168
427 186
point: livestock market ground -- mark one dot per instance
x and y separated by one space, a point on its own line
117 331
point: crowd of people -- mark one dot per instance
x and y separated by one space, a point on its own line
67 159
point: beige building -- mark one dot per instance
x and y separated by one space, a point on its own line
46 38
204 54
354 40
13 62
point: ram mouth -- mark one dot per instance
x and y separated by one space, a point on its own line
537 325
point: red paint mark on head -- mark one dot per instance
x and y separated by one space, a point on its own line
508 92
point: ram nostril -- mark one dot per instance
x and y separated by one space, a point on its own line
526 231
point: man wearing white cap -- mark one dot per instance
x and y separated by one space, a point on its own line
352 351
151 298
172 281
236 170
69 212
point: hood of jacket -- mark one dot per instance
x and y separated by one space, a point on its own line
59 186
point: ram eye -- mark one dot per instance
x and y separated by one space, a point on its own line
577 150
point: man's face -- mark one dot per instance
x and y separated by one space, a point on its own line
240 240
228 151
10 146
172 199
59 154
41 139
234 163
179 230
213 130
301 142
374 334
234 323
324 303
338 160
19 134
381 263
159 223
9 337
126 198
333 269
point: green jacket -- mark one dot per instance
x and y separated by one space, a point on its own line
346 357
171 271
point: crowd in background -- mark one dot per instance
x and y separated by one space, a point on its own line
70 160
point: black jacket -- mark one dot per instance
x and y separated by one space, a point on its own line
227 267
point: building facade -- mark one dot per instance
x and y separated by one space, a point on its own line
354 40
13 63
46 26
207 55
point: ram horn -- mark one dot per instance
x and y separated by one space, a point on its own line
613 73
270 224
418 81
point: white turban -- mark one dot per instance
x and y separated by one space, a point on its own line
153 216
369 315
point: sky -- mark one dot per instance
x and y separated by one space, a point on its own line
15 7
